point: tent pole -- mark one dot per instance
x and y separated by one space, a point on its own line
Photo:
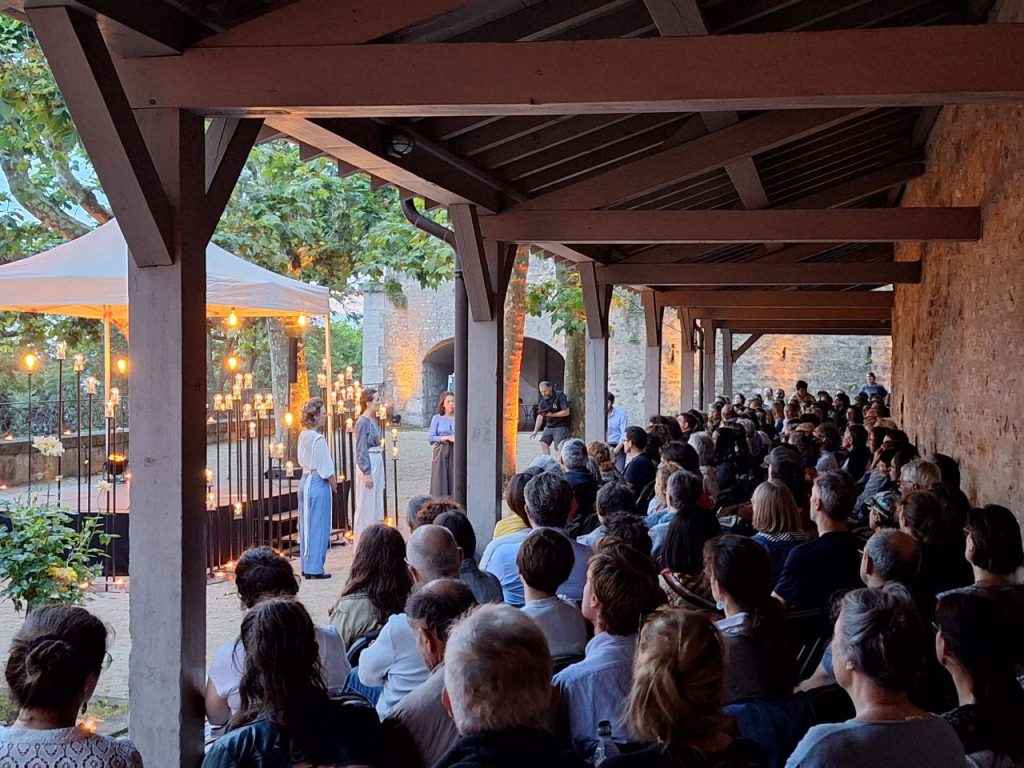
330 378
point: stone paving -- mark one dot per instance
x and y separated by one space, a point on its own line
223 610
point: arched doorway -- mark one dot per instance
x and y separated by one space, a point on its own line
541 362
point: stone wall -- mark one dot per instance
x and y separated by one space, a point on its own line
958 356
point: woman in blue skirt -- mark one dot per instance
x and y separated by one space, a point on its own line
316 490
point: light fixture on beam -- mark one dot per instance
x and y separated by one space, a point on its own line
399 144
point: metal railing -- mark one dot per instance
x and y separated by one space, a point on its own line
14 417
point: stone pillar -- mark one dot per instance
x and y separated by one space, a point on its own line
727 363
687 382
652 380
596 409
707 368
484 426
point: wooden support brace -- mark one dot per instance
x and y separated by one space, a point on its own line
228 143
597 299
652 317
85 72
747 344
475 269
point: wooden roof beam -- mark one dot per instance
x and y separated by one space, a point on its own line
735 314
697 299
910 66
725 226
882 328
783 274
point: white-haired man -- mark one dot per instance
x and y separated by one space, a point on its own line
497 686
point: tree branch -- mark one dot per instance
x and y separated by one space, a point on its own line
52 216
84 195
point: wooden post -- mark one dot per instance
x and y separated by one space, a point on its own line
727 363
707 367
652 355
167 314
597 298
686 373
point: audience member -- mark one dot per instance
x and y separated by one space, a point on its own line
815 570
858 455
890 556
393 662
759 662
704 445
877 650
377 586
972 643
52 670
287 715
261 573
639 471
497 686
486 587
601 454
993 546
621 589
548 500
545 560
675 700
918 475
883 510
679 544
436 507
777 522
613 500
515 518
630 530
412 509
573 455
659 510
419 729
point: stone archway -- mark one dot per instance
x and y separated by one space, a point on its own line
541 362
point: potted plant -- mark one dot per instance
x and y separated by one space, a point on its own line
43 559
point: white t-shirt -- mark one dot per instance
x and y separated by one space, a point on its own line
229 661
65 747
562 624
314 453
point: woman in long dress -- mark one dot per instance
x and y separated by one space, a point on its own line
442 438
316 490
369 483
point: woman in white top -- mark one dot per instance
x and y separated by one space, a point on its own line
52 670
316 491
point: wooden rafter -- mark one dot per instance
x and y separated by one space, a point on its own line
597 298
806 326
851 68
696 299
831 225
782 274
736 314
653 314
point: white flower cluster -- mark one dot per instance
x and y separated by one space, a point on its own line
49 446
103 486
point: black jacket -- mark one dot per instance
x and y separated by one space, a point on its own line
348 735
515 748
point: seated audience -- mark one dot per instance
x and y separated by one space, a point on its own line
659 510
573 455
943 565
393 662
419 730
818 568
52 670
259 574
630 530
973 645
759 662
948 489
858 455
412 509
890 556
877 650
613 500
682 552
883 510
287 716
704 445
377 586
622 588
499 554
545 560
639 471
486 587
777 522
548 501
918 475
497 686
829 441
436 507
515 518
675 700
601 454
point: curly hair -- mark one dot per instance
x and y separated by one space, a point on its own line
311 411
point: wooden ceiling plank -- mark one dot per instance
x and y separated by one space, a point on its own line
698 299
780 274
725 226
797 313
974 64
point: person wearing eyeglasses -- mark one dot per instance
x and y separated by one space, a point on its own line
52 670
993 547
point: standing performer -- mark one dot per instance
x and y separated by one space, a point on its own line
369 466
442 438
316 490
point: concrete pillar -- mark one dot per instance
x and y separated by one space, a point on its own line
167 313
483 405
707 368
596 407
727 363
652 381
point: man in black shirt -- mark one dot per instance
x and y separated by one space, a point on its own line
640 470
554 415
817 569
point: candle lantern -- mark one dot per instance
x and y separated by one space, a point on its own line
218 402
247 381
236 392
115 396
90 385
348 425
321 381
79 362
108 409
62 350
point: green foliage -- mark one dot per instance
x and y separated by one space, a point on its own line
346 347
560 298
43 560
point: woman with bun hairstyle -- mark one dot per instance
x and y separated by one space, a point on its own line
316 490
52 670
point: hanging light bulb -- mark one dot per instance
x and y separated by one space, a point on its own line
302 320
233 319
232 363
30 361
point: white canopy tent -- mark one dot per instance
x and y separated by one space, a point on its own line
88 277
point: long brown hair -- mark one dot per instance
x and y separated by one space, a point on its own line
283 678
379 571
440 401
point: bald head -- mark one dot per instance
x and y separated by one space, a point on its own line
890 556
433 554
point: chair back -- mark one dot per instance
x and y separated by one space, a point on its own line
360 645
809 634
